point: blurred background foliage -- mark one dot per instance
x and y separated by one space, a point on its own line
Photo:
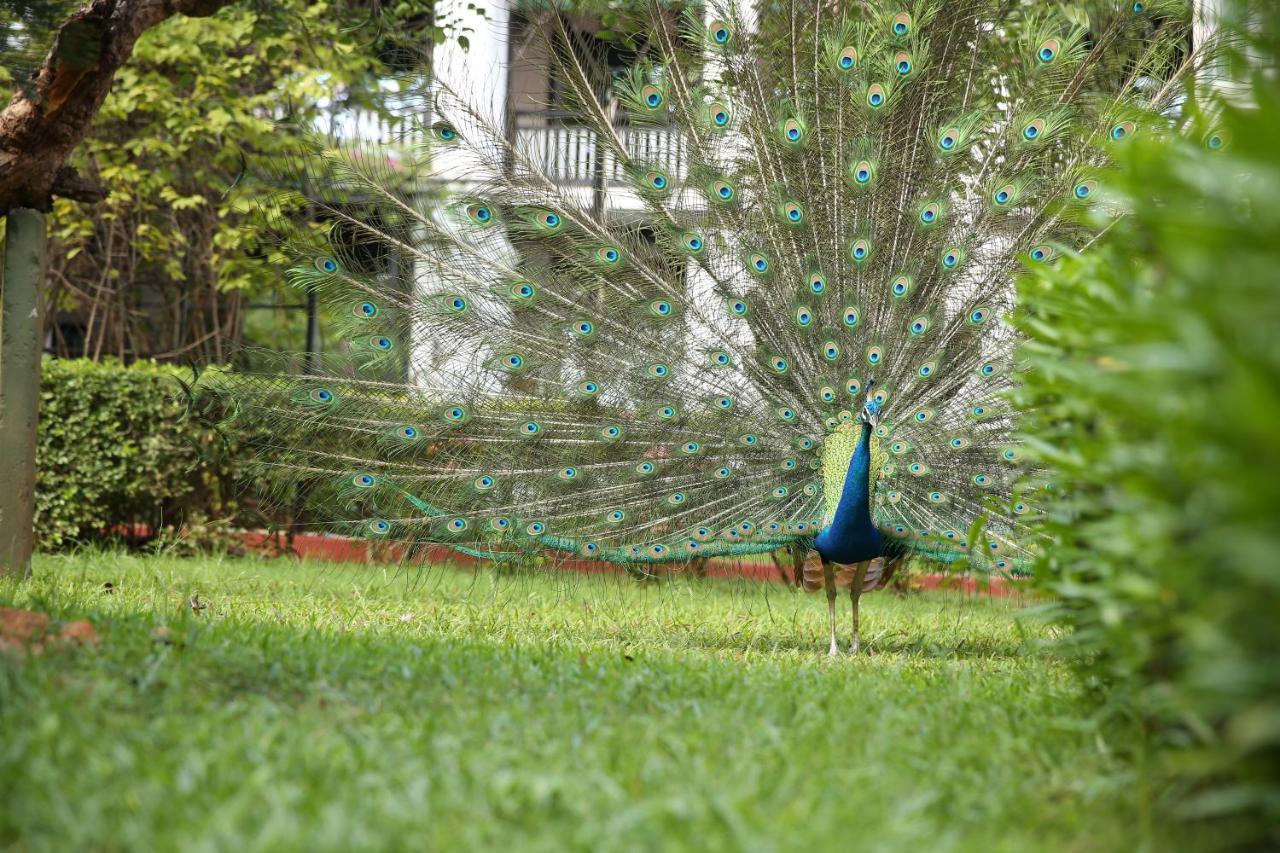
169 265
1154 402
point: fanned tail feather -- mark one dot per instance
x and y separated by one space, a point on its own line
852 195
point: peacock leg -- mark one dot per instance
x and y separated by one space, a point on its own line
855 595
829 582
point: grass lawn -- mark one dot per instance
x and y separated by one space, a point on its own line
309 706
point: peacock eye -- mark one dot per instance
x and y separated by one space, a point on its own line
652 97
444 131
1084 189
847 59
792 131
1048 50
862 172
1123 130
929 214
901 286
902 62
900 24
859 250
851 317
720 32
367 310
723 191
817 283
875 95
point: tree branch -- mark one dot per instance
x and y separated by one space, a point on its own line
39 132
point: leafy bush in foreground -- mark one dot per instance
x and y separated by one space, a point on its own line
1155 404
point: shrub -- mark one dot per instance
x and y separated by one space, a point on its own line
114 450
1154 402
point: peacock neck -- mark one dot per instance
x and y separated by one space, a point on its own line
852 536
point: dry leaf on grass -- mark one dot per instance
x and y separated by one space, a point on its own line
29 630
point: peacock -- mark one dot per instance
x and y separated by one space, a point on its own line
797 341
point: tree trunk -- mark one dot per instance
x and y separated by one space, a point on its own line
20 333
41 127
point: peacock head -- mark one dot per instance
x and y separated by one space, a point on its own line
870 413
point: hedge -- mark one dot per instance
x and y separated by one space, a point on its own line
115 451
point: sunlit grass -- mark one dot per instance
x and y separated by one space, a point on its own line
305 706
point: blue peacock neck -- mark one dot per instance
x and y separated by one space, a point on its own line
852 537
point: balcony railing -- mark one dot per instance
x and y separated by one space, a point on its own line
570 153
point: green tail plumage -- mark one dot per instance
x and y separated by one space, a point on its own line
855 193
